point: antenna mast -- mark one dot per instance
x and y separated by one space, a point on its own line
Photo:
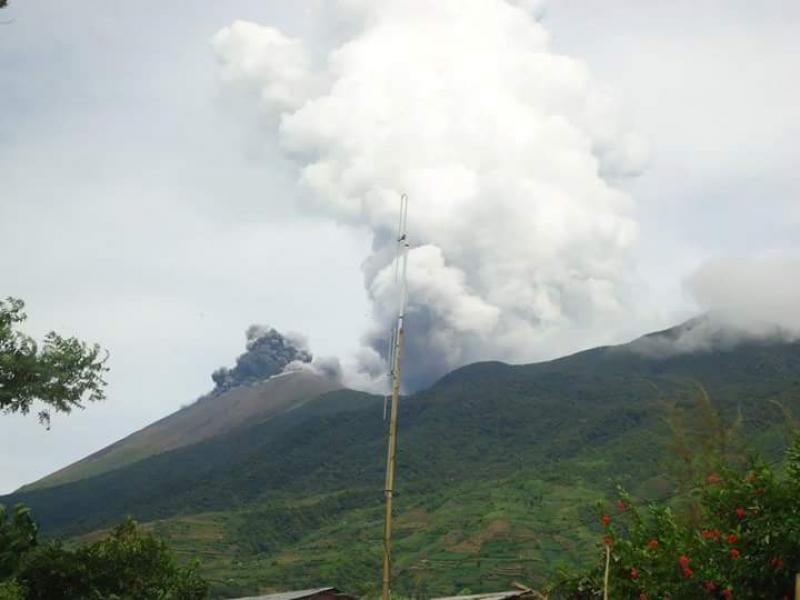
401 264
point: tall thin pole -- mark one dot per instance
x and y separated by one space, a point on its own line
395 364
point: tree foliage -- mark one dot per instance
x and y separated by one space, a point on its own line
17 537
62 373
746 544
127 565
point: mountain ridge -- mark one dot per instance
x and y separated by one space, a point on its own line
498 465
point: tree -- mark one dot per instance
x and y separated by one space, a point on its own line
129 564
17 537
62 373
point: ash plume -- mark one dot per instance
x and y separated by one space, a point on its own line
268 353
508 152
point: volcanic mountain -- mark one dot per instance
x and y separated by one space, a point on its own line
278 484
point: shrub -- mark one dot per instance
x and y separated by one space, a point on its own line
745 544
10 590
17 537
129 564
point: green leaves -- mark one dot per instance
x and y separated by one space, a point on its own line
793 461
63 373
127 565
17 536
746 540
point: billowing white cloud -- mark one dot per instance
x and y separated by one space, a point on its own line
264 59
506 149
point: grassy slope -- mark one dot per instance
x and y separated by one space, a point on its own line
499 467
210 416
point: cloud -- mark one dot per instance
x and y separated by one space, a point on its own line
507 150
329 367
752 292
742 300
263 59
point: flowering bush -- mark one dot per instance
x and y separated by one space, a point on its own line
744 545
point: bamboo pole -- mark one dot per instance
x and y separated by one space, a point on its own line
391 460
391 452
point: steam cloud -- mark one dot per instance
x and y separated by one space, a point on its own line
507 150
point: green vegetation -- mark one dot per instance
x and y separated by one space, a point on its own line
17 538
62 373
127 565
743 542
499 469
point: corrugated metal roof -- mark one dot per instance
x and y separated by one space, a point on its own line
492 596
297 595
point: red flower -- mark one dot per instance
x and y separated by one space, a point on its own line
710 586
621 506
711 533
634 573
735 553
732 538
606 520
740 512
684 560
727 592
653 543
712 478
606 540
687 571
776 562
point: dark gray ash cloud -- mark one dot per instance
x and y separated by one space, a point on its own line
268 353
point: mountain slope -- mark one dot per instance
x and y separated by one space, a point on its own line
212 415
498 469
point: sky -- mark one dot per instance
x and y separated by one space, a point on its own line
148 206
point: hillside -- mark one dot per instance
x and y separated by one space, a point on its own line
211 416
499 468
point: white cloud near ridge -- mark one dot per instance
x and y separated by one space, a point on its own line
508 151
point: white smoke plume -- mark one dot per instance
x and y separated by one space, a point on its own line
507 150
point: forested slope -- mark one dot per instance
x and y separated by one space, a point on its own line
498 470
